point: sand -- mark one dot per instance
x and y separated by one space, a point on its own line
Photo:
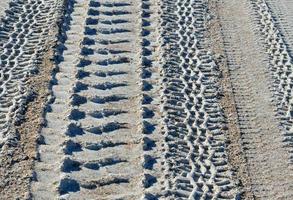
3 6
150 99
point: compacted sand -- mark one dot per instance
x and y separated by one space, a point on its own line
146 99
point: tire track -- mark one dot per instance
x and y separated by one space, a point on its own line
260 128
234 145
24 32
93 117
195 164
47 172
281 66
283 18
150 112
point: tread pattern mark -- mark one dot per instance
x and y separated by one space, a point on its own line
196 166
261 134
100 138
281 66
24 32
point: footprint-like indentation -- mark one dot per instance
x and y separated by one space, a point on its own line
90 31
146 99
116 4
148 144
68 185
147 113
145 32
146 63
82 74
106 162
146 86
115 12
147 127
109 73
106 113
93 12
74 129
79 86
108 42
70 146
148 180
121 60
114 21
69 165
149 196
113 31
76 99
75 114
88 41
41 140
108 85
107 128
91 21
86 51
94 4
145 42
145 74
146 52
84 62
145 22
148 162
102 145
107 99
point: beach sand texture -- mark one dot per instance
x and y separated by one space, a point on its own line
146 99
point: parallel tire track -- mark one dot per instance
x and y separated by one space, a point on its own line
107 148
195 164
281 67
93 117
135 110
255 95
24 32
282 11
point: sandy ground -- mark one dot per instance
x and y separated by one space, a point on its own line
3 6
261 138
150 99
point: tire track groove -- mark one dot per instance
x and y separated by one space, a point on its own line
261 134
281 65
47 170
23 33
195 166
97 91
150 108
